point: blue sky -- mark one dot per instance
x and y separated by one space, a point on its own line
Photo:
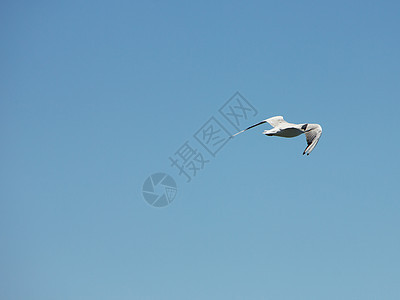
95 96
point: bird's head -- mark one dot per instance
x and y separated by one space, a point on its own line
308 127
305 128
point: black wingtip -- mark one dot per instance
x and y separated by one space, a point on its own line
262 122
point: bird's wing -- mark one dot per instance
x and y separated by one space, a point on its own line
312 138
262 122
276 121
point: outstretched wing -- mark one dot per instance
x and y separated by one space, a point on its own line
262 122
276 121
312 138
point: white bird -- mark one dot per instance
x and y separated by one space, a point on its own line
284 129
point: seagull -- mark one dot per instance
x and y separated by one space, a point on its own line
284 129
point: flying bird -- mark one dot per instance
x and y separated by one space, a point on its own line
284 129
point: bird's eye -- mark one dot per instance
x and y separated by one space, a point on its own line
304 127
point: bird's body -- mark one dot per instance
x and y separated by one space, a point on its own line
284 129
284 132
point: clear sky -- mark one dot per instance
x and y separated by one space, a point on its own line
95 96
